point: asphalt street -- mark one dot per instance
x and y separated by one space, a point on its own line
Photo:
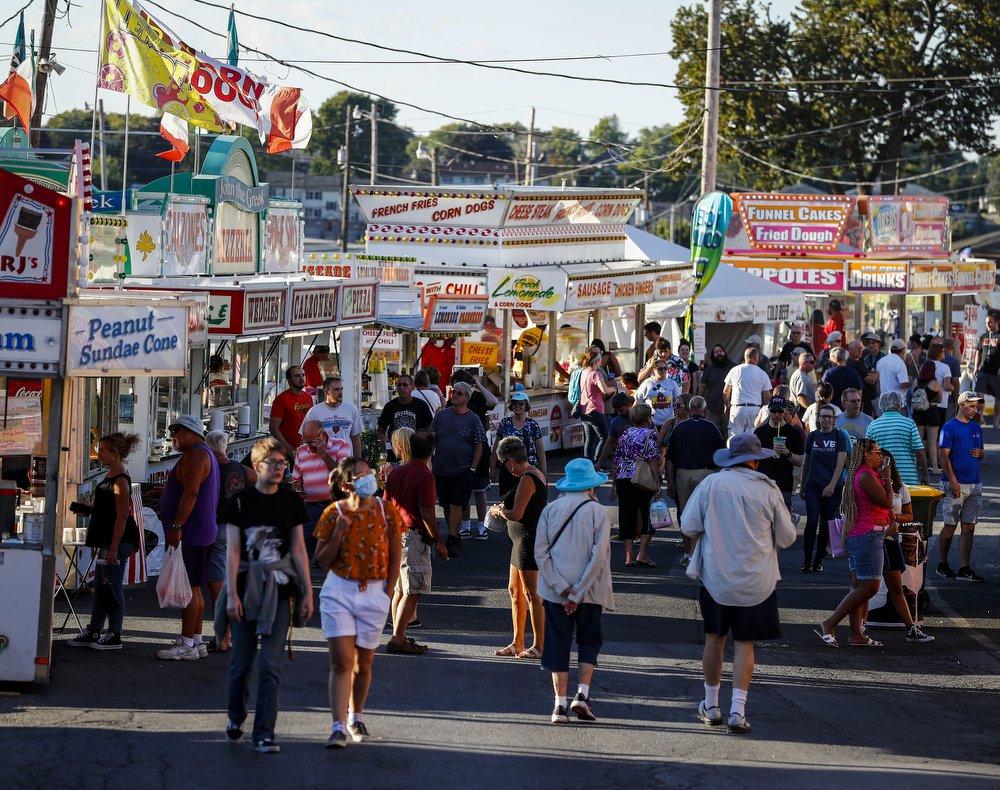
922 715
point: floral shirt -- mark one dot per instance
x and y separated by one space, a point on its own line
635 443
677 370
528 434
364 549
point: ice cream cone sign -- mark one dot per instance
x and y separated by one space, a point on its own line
26 227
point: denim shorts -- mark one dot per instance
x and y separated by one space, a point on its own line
866 553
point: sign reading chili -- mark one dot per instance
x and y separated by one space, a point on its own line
34 239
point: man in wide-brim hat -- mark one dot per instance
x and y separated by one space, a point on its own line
740 521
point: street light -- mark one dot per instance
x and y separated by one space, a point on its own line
372 115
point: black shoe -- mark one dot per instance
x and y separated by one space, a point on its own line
337 740
266 746
966 574
915 634
817 567
453 540
581 707
559 715
108 641
234 732
84 639
358 731
806 567
413 624
944 571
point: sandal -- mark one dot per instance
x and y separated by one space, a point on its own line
828 638
213 647
870 643
508 651
646 563
629 564
531 652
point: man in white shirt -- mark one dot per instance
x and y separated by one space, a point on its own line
740 521
341 421
747 387
891 369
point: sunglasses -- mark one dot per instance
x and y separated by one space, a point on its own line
778 410
658 367
175 429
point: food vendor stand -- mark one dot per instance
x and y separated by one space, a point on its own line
58 351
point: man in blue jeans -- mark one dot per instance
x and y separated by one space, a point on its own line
266 566
961 452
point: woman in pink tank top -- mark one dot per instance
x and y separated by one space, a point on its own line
866 506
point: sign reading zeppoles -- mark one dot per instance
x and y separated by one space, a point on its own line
314 306
263 311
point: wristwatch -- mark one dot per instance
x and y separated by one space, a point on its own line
178 527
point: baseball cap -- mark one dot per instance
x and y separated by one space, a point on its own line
968 396
835 304
898 344
190 422
519 395
753 339
321 349
778 403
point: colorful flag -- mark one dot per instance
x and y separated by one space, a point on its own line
20 54
142 59
240 97
175 131
232 40
17 91
708 232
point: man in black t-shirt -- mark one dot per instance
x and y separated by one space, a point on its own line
403 411
786 441
266 565
868 374
795 341
480 404
987 363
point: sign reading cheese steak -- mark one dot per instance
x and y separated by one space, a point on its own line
358 302
263 311
793 222
314 306
610 290
528 289
537 211
877 277
455 314
127 339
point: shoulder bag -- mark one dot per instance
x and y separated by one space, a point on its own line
643 477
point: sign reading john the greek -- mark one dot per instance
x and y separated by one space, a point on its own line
232 190
127 339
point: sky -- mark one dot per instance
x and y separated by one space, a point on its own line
445 28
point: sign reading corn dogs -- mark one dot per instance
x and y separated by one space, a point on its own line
34 239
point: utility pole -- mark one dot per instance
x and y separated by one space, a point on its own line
710 143
434 167
645 200
44 51
104 152
345 190
673 207
374 118
529 168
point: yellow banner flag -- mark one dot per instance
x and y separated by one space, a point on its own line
139 59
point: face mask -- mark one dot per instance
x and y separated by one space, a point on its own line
366 486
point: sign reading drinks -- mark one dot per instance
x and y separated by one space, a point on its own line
127 340
527 289
904 224
877 277
806 223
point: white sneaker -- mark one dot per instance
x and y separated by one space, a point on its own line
202 650
178 651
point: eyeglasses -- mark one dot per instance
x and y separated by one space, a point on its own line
661 368
275 462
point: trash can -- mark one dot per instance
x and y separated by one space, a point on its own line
913 539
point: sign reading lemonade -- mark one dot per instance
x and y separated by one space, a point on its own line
510 289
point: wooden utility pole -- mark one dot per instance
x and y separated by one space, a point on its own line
710 143
374 118
44 51
345 191
645 200
529 168
104 150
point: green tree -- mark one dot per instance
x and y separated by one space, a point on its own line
563 147
843 88
328 137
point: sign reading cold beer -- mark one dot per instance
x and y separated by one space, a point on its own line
314 306
877 277
129 340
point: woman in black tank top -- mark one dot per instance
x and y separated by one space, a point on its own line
114 532
522 507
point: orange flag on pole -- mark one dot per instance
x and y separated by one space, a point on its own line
175 131
16 91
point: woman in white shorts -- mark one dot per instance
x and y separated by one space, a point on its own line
359 545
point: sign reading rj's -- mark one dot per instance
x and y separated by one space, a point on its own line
133 340
527 289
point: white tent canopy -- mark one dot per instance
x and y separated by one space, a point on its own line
643 246
733 295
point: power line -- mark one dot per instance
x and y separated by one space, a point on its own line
17 13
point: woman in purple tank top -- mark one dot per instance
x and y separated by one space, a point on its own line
866 505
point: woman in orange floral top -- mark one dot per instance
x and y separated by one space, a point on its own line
359 545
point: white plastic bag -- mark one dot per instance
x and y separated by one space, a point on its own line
494 522
173 588
659 515
154 559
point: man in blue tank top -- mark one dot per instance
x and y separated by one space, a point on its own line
187 512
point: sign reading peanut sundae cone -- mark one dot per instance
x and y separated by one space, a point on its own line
34 239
